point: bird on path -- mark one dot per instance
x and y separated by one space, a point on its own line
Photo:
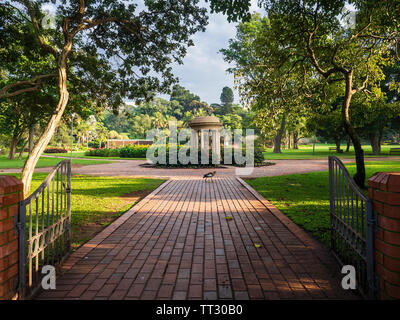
209 175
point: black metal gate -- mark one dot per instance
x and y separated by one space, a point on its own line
353 224
44 228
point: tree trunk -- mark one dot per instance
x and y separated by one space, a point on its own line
22 150
54 120
380 136
348 144
374 141
31 137
295 140
16 138
13 149
288 139
278 138
337 142
359 177
78 143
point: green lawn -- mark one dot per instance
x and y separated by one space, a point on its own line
304 152
43 162
304 198
97 201
322 152
81 154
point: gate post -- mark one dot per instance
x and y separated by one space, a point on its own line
11 193
384 190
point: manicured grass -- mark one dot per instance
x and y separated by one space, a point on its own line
43 162
322 152
97 201
304 198
81 154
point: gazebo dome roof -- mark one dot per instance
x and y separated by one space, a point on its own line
207 122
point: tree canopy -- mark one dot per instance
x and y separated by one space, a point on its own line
303 50
126 47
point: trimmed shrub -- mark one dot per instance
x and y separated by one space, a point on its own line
55 150
102 153
258 158
133 151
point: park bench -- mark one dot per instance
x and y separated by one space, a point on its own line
394 151
333 149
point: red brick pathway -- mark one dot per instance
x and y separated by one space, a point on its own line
177 244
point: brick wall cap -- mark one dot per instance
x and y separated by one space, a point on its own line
10 184
385 181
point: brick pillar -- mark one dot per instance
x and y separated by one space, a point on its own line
384 190
11 192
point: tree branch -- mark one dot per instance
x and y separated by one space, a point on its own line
42 40
34 83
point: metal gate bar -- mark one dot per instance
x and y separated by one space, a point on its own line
44 221
352 226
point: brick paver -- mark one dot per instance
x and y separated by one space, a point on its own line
178 244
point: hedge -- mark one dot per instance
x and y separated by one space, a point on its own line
55 150
140 151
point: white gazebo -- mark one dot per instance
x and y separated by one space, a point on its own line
207 126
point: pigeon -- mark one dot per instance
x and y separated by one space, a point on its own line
209 175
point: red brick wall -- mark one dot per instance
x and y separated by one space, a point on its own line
11 192
384 190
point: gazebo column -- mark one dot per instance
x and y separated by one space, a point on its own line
194 146
204 146
194 139
216 146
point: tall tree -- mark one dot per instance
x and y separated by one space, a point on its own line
227 99
135 39
305 42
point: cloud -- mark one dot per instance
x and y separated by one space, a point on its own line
204 70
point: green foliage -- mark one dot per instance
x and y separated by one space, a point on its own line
55 150
134 151
302 58
226 99
235 10
183 106
129 151
102 153
232 121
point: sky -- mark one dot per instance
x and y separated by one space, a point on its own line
203 71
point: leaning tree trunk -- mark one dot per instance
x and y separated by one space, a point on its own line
278 137
31 137
21 153
47 134
359 177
